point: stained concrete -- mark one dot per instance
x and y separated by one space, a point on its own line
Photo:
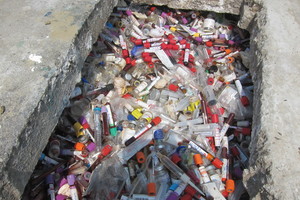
43 47
275 148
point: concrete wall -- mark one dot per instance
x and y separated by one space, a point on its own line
43 47
34 91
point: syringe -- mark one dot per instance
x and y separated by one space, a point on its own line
177 171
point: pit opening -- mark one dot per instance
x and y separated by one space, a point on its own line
98 79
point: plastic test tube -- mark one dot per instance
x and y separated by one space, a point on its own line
105 121
98 128
177 171
226 125
215 161
73 190
176 193
153 123
112 126
199 163
50 182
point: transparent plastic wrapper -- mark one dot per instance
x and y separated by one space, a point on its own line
127 152
104 187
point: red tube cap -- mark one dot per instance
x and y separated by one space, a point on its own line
156 120
217 163
173 87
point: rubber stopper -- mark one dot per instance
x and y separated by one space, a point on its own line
214 118
164 46
190 190
148 59
198 159
210 81
183 41
145 54
140 157
228 51
246 131
79 146
125 53
158 134
175 47
147 45
230 59
170 36
86 126
156 121
151 188
128 60
187 45
245 101
209 43
106 150
186 197
217 163
172 41
173 87
175 158
230 186
91 146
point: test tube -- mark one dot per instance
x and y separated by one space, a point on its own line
98 128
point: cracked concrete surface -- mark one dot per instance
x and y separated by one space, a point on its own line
43 47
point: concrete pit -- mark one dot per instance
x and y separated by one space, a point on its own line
55 40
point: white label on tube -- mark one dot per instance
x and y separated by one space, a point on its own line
217 137
74 194
142 131
134 20
212 189
122 42
204 174
186 55
224 130
137 30
239 87
153 39
224 168
197 148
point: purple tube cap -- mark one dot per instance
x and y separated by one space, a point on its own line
60 197
163 14
59 170
167 26
50 179
193 29
128 12
91 147
82 120
199 39
230 42
63 182
221 36
184 20
71 179
173 196
238 173
103 109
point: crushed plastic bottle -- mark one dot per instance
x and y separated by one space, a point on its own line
163 111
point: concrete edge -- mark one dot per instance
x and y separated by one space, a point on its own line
19 167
